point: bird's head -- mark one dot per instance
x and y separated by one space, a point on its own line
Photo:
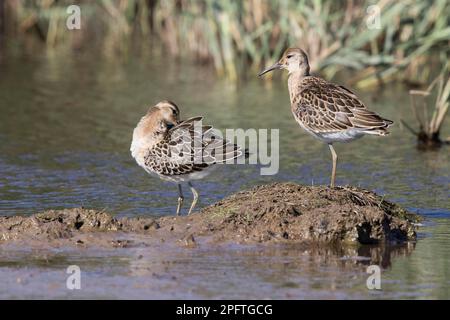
168 111
159 119
294 60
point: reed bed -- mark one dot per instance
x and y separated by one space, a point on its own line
430 119
236 37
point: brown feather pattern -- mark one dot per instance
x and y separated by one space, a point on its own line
322 106
188 148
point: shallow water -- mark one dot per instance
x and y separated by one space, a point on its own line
65 132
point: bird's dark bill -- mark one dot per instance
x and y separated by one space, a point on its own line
271 68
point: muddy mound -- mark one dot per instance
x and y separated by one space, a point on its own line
64 224
302 213
280 212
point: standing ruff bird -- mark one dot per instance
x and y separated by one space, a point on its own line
178 151
329 112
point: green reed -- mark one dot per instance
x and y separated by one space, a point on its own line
242 36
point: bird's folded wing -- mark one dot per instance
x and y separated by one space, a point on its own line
324 107
188 147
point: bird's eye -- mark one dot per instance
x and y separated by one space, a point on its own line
290 56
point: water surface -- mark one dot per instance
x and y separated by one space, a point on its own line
65 131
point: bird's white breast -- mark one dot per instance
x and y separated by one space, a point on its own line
338 136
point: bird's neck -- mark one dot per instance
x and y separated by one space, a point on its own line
143 140
294 83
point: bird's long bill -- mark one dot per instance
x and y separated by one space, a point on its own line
271 68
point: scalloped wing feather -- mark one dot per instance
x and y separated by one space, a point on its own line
189 147
324 107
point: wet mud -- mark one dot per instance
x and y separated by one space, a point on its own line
274 213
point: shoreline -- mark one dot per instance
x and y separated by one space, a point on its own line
273 213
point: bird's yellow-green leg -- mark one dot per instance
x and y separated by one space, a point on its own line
333 172
180 199
195 194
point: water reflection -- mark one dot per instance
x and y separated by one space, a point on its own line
231 271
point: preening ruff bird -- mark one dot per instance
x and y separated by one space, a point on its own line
329 112
179 151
